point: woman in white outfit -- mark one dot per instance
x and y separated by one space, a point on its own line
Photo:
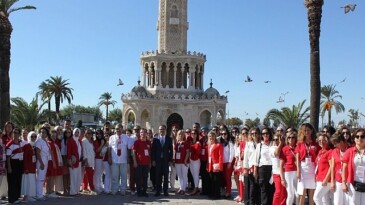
43 153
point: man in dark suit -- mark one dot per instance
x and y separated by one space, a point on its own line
161 158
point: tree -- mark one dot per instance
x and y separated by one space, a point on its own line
106 99
60 89
234 121
27 115
354 118
115 115
46 97
294 116
329 95
252 123
6 8
67 111
314 13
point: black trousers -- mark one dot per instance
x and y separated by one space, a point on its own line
252 190
265 186
162 171
216 184
205 177
153 176
141 178
15 180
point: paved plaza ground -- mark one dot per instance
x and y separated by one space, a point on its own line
85 199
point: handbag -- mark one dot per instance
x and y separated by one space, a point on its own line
358 186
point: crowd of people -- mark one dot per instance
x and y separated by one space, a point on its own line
269 166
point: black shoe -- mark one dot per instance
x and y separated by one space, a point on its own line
166 193
157 194
203 193
145 194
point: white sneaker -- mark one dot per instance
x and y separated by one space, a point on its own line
52 195
93 193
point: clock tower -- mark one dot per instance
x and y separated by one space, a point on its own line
172 25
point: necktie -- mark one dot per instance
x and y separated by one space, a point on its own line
162 140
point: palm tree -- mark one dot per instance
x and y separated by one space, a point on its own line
26 115
60 89
329 95
314 13
46 96
115 115
354 117
6 8
105 99
290 117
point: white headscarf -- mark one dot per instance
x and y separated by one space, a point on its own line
29 138
74 131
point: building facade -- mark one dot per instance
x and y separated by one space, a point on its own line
171 91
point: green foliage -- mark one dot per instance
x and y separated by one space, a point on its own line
106 99
68 110
252 123
329 94
115 115
287 116
27 115
234 121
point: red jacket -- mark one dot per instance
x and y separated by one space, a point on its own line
215 158
73 151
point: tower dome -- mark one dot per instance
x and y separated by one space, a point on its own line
210 92
139 89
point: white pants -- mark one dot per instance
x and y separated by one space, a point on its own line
75 180
194 169
28 185
322 194
338 195
108 176
98 171
182 173
291 188
4 186
172 176
355 198
119 174
41 176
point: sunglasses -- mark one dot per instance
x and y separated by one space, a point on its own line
346 133
223 133
291 138
360 136
279 130
265 133
33 136
276 139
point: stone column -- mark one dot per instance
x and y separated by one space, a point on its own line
175 69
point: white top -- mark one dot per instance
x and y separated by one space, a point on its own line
45 149
88 151
262 153
274 160
359 169
12 147
122 142
248 155
228 152
63 147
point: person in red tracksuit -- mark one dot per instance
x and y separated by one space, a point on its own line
215 165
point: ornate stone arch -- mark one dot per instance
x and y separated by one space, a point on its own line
205 118
164 74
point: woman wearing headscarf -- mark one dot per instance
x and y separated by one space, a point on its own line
74 152
29 169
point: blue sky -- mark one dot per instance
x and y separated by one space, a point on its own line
93 43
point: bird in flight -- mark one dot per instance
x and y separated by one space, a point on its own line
120 82
342 81
349 7
248 80
267 81
280 100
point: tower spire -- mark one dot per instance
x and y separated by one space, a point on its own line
172 25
